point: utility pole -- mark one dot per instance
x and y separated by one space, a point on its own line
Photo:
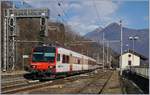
108 63
121 47
99 45
127 45
103 51
133 42
107 54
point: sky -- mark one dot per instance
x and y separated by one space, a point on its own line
83 16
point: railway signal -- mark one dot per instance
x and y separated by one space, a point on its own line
42 21
11 22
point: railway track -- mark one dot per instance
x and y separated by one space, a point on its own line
105 84
95 86
77 85
13 81
23 87
14 85
34 86
31 85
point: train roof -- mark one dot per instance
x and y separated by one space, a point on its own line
69 52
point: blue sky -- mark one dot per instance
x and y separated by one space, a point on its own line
136 13
85 15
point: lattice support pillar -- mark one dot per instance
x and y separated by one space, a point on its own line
46 25
11 42
5 43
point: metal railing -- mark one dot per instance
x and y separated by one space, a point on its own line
141 71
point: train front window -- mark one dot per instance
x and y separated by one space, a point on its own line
49 56
37 56
43 57
46 54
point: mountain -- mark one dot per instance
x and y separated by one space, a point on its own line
112 32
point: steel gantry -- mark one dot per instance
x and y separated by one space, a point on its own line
10 32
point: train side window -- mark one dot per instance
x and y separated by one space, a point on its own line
67 59
63 59
58 57
78 61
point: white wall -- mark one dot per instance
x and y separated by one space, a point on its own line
135 60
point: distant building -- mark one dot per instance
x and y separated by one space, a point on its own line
131 58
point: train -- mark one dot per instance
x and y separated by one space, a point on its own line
52 61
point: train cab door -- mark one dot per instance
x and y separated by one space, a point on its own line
58 58
59 64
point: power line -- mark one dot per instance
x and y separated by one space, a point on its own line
60 4
58 14
64 11
97 14
63 20
94 4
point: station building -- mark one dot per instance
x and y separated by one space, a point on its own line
132 58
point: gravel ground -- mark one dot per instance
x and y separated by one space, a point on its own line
113 86
92 83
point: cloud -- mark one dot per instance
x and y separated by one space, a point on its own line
75 5
82 28
81 15
86 16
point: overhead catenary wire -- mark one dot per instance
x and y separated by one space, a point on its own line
65 13
98 17
60 4
59 14
96 11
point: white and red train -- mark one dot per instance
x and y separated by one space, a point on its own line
52 61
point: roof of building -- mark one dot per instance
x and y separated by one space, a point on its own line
137 54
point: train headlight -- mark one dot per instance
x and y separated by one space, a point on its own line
33 66
50 67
